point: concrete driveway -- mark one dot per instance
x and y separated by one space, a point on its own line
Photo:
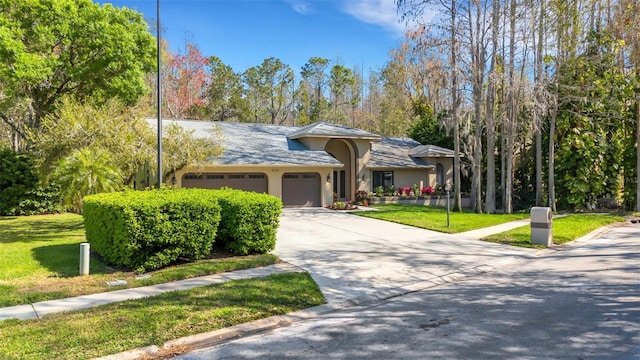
353 258
577 302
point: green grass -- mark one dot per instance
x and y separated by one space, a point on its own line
565 229
123 326
39 260
435 217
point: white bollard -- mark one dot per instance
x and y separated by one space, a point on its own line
84 258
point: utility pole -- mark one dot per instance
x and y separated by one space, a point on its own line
159 92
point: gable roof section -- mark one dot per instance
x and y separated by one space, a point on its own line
430 151
392 153
328 130
256 144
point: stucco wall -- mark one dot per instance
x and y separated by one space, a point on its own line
363 175
410 177
447 164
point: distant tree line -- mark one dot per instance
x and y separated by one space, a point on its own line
202 87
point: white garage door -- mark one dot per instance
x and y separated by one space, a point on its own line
301 189
242 181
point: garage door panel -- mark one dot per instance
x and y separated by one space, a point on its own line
301 189
242 181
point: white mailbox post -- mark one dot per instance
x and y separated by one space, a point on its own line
541 226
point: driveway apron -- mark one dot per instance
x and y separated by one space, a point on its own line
351 256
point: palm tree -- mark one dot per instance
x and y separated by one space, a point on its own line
86 171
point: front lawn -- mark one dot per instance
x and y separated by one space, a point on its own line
565 229
118 327
435 217
39 260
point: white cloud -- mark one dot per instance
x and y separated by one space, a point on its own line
300 6
378 12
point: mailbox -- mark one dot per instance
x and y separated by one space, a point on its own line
541 226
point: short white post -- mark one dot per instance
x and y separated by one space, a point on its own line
84 258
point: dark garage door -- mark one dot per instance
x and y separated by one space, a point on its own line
241 181
301 189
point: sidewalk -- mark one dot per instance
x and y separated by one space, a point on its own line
496 229
37 310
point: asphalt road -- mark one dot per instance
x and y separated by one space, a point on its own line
578 302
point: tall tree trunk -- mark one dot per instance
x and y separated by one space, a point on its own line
638 154
477 76
512 114
490 195
539 99
455 102
552 155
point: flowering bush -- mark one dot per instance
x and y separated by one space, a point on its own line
405 190
361 197
427 190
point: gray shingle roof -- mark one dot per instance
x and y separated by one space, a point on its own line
394 153
262 144
256 144
430 151
325 129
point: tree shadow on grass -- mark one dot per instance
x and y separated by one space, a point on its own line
38 228
64 260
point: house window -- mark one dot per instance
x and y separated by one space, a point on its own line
215 177
382 178
236 176
439 174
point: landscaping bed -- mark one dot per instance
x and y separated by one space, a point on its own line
427 200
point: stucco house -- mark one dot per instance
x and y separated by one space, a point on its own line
305 166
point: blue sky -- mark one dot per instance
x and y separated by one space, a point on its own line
242 33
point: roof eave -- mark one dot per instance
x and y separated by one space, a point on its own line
399 167
332 136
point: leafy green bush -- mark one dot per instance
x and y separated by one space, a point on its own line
249 221
147 230
20 192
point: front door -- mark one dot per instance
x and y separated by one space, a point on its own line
340 184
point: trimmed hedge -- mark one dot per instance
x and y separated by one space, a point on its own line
147 230
249 221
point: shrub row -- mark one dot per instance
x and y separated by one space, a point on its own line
147 230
